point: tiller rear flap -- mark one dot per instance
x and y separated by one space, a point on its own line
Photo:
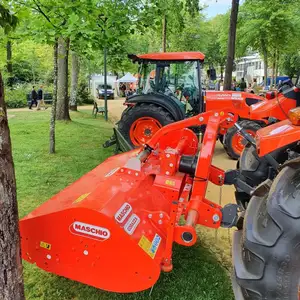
114 228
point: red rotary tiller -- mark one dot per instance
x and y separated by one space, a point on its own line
114 228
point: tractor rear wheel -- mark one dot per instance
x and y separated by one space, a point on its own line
139 123
234 142
266 253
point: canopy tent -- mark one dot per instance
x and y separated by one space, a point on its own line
127 78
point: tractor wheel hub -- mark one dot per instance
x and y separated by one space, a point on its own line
148 132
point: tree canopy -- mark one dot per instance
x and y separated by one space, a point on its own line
264 26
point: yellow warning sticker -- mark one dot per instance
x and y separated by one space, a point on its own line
145 244
45 245
170 182
150 247
82 197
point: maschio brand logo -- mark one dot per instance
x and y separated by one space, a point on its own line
132 224
123 212
90 231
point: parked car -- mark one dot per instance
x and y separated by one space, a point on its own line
101 91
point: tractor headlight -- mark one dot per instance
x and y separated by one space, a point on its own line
294 116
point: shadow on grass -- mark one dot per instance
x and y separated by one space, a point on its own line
196 276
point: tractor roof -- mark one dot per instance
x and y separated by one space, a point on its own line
167 56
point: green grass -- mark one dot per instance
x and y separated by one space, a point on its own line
196 274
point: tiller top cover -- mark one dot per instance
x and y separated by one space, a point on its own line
114 228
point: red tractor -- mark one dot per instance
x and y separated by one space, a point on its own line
147 199
170 90
253 114
266 251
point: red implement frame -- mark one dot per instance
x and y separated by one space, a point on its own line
114 228
198 209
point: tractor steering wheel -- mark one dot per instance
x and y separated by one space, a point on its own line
285 84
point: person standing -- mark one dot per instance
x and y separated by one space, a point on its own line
218 85
234 84
243 85
34 97
255 87
123 90
40 98
221 85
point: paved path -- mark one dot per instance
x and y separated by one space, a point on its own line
115 108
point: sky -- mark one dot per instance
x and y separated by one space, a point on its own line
216 7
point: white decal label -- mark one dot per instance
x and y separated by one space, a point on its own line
224 95
112 172
187 187
123 212
132 224
90 231
236 95
154 246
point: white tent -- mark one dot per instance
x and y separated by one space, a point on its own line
127 78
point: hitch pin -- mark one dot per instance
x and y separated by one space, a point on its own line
143 155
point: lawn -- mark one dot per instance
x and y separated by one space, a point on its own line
196 274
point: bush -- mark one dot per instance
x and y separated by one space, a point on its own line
83 95
16 98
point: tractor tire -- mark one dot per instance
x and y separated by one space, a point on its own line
221 139
234 143
266 253
140 122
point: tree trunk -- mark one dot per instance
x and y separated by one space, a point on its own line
62 109
9 57
265 54
164 34
11 280
33 73
277 65
273 70
54 101
74 81
231 44
9 63
222 71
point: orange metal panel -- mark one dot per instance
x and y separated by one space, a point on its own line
235 101
173 56
276 136
277 108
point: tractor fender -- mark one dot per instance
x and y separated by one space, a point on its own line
277 108
276 136
172 105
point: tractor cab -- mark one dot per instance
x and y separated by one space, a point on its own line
176 77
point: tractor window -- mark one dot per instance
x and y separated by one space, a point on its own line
187 85
171 78
181 75
186 71
147 80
